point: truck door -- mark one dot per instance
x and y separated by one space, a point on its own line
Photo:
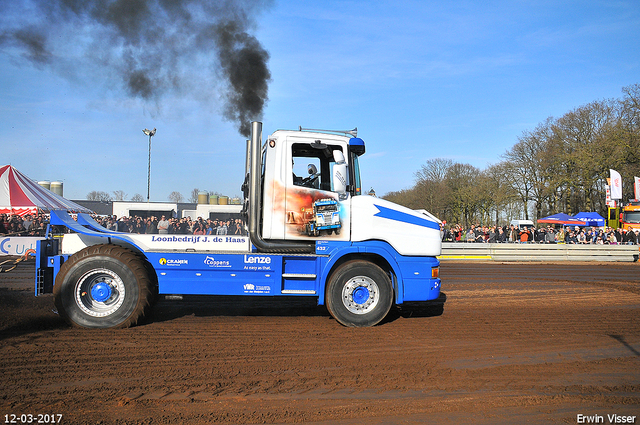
316 204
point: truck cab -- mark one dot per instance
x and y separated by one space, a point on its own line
333 179
630 216
626 216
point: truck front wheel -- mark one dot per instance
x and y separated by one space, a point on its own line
359 294
103 286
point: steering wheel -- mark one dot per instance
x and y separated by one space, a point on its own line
310 180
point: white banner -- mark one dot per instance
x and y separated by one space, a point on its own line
636 188
74 242
17 245
616 184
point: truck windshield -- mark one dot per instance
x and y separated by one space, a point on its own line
631 217
327 208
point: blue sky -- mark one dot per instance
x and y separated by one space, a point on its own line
420 80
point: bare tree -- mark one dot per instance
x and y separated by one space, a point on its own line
434 170
119 195
137 198
194 195
463 196
429 191
175 197
98 196
498 189
526 166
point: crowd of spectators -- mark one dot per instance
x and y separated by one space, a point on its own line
29 225
548 234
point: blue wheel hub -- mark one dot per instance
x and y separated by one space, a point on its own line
361 295
101 292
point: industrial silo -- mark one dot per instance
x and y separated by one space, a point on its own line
56 187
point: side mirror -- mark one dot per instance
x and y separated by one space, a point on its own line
339 178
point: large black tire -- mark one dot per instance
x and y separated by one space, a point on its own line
359 294
104 286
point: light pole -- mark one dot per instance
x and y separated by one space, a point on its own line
149 133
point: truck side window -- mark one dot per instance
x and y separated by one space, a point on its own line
306 172
312 165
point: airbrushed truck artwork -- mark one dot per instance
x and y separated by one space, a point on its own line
325 217
313 214
311 233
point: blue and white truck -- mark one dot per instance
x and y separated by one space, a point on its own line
384 254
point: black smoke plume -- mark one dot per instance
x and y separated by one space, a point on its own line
149 47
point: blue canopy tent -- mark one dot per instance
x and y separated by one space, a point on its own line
562 219
592 219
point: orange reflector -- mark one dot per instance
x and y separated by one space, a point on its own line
435 272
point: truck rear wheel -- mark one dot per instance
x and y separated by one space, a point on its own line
103 286
359 294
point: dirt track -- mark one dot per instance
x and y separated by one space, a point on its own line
516 343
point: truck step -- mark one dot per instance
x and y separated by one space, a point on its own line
298 291
298 276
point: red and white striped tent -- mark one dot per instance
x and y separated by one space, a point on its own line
20 195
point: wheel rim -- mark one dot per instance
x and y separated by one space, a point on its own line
360 294
100 292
